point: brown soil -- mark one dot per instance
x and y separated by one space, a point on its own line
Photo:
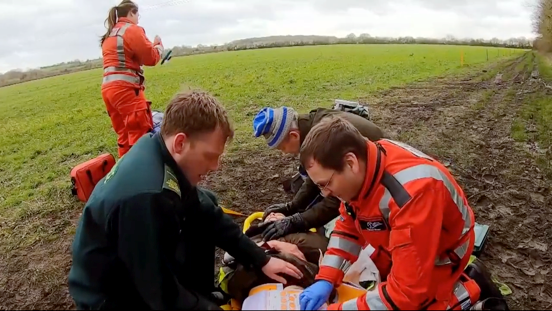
463 122
466 124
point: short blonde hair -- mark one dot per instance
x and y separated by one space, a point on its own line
194 113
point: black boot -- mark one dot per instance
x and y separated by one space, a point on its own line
219 297
491 297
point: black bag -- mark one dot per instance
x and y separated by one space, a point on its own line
352 107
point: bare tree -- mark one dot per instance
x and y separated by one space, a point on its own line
542 25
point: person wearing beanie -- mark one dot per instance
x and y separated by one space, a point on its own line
275 125
285 129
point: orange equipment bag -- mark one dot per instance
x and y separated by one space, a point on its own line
85 176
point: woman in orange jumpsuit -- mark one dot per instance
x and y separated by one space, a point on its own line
125 50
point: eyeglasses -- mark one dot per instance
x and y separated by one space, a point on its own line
326 185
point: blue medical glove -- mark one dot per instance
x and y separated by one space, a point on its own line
314 296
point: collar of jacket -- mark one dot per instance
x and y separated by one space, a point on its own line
304 122
375 165
125 20
183 182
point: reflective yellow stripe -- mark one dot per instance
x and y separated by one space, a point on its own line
223 280
344 245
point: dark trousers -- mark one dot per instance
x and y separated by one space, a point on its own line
200 246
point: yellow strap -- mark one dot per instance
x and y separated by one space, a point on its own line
231 212
251 219
223 282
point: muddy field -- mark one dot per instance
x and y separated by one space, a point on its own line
463 122
466 124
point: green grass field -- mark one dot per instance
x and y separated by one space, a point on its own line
490 133
51 125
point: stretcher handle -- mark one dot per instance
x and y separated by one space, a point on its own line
250 219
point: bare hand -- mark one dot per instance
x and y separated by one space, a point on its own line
287 248
276 265
157 40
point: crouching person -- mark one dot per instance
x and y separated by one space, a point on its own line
408 207
303 250
147 236
285 129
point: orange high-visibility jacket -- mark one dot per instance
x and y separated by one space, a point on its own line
417 218
125 51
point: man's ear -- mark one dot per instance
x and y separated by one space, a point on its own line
179 142
352 161
294 134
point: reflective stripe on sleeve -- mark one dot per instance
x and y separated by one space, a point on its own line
462 295
336 262
461 251
344 245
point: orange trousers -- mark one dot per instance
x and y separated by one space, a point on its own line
466 293
130 113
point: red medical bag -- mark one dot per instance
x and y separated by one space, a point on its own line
85 176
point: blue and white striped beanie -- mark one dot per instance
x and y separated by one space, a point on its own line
273 124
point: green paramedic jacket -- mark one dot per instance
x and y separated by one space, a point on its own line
146 238
326 209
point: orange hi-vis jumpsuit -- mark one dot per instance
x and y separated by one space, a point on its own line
125 51
417 218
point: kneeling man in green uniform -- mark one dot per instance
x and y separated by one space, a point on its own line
147 236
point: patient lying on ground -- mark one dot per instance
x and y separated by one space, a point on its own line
304 250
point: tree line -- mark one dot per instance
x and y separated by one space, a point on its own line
19 76
542 25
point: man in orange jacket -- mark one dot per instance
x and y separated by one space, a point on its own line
403 203
125 50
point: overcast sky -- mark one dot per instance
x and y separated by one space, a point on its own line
42 32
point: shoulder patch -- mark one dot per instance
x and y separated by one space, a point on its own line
170 182
113 170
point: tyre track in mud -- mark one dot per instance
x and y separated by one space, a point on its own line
508 192
467 126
